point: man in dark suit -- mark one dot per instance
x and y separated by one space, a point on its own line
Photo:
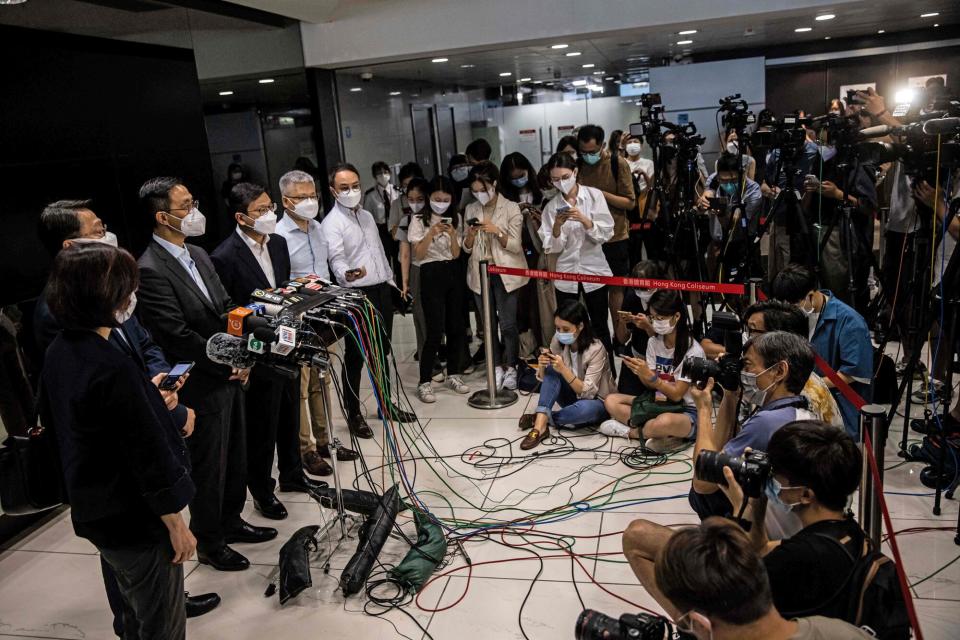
182 302
63 223
254 257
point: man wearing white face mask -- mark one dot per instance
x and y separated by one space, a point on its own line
378 200
299 226
357 260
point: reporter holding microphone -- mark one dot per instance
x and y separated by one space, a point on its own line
125 466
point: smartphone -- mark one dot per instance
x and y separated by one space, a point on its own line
354 272
173 376
545 352
474 222
446 220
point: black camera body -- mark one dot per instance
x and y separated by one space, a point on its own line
916 150
593 625
726 370
736 113
786 134
752 470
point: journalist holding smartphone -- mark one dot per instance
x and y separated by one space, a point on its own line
125 467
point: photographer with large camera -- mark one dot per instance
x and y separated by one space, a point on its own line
717 585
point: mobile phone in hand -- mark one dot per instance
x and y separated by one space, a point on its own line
474 222
174 375
446 220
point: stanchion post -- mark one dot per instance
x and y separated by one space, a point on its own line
873 422
491 397
753 286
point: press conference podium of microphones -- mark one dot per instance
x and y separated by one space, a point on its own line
287 328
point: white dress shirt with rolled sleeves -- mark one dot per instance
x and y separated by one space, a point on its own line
308 251
581 250
353 242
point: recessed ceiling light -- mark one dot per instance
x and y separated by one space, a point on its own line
932 14
355 89
395 93
265 80
598 73
440 60
579 83
589 65
467 66
538 82
609 78
826 37
560 46
573 53
825 16
881 31
505 74
525 79
682 42
226 93
936 25
803 29
688 32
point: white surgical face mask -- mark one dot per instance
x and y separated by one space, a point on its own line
633 149
127 312
308 208
567 184
109 238
416 207
645 295
439 207
484 197
193 224
662 327
350 199
733 147
383 179
266 224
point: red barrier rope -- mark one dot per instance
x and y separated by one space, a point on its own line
646 283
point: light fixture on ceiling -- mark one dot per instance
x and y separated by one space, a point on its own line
265 80
904 96
525 79
803 29
559 46
573 53
825 16
936 24
579 83
355 89
505 74
932 14
683 42
609 78
881 31
395 93
688 32
598 73
589 65
11 2
595 87
826 37
467 66
222 93
440 60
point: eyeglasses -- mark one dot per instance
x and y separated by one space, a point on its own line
265 209
297 198
195 204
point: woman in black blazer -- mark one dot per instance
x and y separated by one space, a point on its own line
125 466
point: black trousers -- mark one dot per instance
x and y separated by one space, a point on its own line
899 271
441 290
150 591
273 422
380 297
218 454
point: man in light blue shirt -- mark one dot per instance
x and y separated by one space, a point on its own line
308 252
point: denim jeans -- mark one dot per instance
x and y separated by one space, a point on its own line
574 411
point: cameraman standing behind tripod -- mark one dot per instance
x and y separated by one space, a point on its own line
733 201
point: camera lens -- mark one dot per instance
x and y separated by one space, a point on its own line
593 625
699 370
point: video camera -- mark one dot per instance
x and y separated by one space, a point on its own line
726 370
751 471
593 625
922 147
736 113
786 134
651 115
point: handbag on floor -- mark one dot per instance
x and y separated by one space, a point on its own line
645 407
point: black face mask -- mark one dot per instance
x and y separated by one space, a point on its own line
667 153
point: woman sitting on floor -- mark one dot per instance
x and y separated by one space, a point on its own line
575 374
666 410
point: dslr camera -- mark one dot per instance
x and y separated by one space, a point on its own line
751 470
593 625
726 370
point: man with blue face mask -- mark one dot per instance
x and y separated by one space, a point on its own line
733 212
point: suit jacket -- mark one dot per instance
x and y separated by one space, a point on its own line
239 270
181 319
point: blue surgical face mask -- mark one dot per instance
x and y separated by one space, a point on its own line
752 394
591 158
459 174
565 338
773 489
828 152
520 182
729 188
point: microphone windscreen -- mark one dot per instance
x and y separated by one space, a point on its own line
229 350
255 322
265 335
941 126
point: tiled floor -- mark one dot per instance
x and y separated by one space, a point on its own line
50 585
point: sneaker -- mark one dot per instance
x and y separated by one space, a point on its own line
456 383
438 375
614 429
510 379
499 374
665 445
425 393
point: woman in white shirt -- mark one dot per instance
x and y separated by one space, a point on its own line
434 236
493 234
662 373
576 223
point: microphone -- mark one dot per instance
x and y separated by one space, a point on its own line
282 341
223 348
946 126
878 131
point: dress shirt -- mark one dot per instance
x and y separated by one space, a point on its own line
308 252
377 201
182 255
353 241
261 254
581 251
439 250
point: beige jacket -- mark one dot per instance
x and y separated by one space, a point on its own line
594 369
507 216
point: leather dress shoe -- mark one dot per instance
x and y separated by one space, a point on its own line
343 454
199 605
302 485
399 415
359 427
533 439
315 465
246 532
270 507
224 559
